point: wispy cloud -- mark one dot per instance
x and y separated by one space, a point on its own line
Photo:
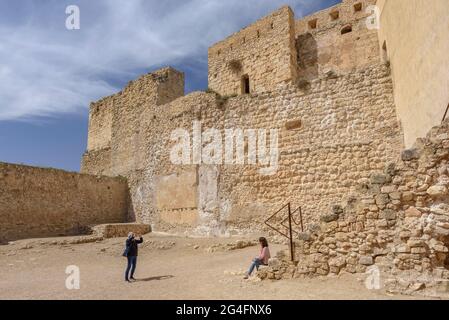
46 70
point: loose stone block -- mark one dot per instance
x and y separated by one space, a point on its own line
366 260
437 191
410 154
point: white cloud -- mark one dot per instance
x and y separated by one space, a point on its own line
47 70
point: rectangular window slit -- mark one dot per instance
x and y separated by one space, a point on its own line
245 85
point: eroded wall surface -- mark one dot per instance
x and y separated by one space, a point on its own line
331 134
394 225
264 51
348 130
279 49
115 122
414 36
336 40
37 202
334 126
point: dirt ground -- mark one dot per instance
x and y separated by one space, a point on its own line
169 268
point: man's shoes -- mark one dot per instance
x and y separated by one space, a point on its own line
127 280
246 277
132 278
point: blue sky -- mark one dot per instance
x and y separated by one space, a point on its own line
49 75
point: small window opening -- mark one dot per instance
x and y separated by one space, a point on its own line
244 40
358 7
313 24
258 34
334 15
346 29
245 85
219 52
272 25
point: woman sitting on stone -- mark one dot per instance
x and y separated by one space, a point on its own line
262 259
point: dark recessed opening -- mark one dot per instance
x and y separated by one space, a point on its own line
346 29
245 85
313 24
358 7
334 15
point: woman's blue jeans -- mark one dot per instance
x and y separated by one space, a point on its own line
255 264
132 262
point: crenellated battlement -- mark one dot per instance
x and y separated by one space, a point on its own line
278 49
346 13
257 58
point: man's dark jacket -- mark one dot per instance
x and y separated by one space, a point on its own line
132 249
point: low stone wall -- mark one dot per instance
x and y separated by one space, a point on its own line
397 221
38 202
117 230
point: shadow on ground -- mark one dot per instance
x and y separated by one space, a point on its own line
157 278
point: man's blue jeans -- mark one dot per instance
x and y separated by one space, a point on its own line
132 261
255 264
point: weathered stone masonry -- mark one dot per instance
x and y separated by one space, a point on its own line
40 202
264 52
325 84
397 220
334 128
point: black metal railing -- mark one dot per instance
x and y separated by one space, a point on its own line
445 114
291 221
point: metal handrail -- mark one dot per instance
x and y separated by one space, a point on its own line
294 221
445 114
272 216
289 227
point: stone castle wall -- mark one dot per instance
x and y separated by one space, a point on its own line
278 49
335 125
115 122
323 87
264 51
397 220
330 135
336 40
413 38
100 117
37 202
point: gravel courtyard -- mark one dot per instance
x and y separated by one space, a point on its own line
168 268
